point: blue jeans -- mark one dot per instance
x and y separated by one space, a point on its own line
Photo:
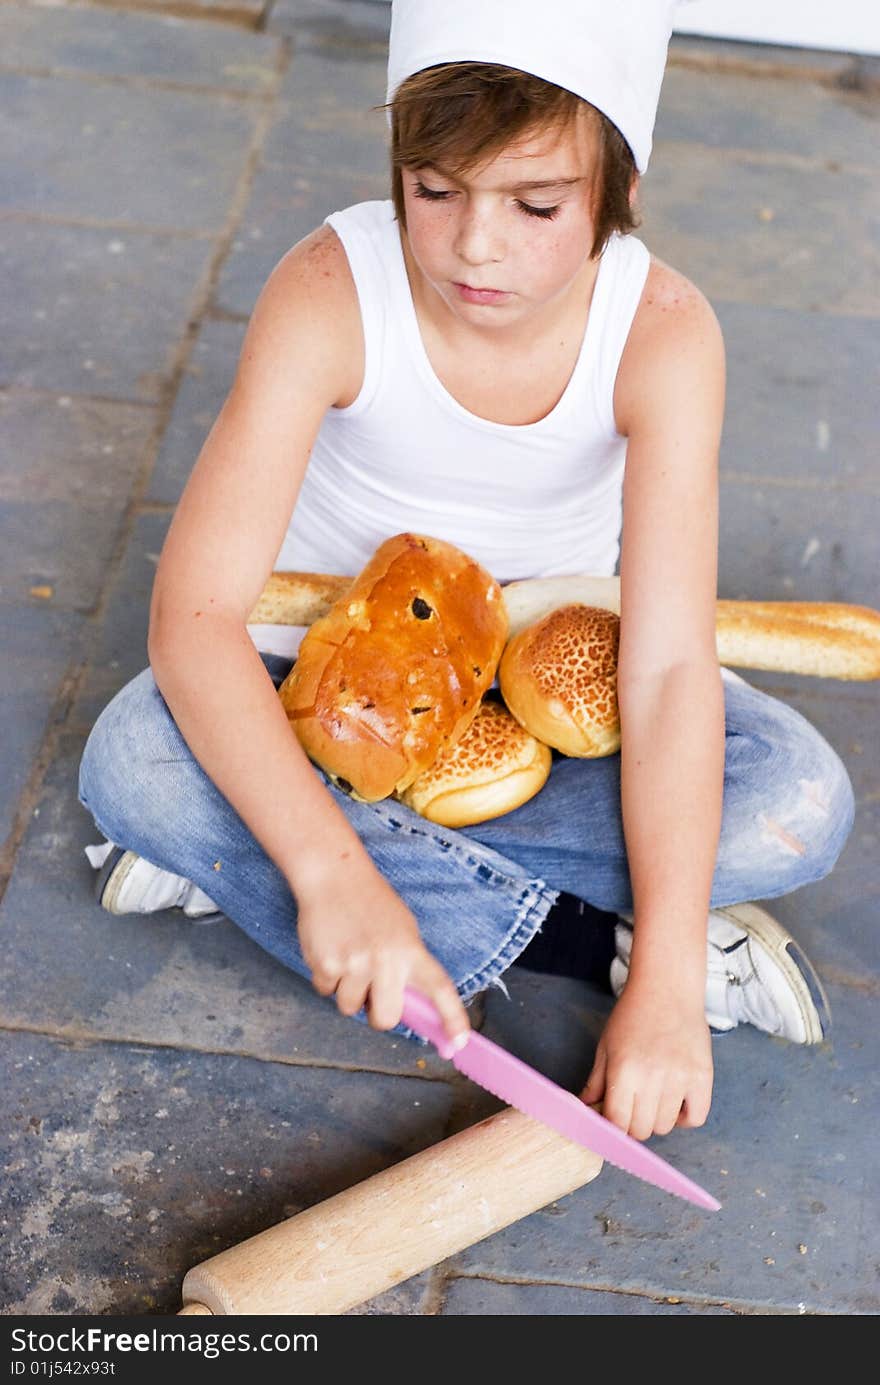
479 893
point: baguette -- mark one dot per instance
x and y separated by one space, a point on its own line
297 598
396 669
825 639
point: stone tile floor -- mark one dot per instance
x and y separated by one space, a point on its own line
170 1089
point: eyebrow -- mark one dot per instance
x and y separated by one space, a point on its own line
542 183
531 186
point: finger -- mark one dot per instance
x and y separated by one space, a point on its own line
695 1108
326 977
385 1000
644 1115
351 993
669 1109
617 1106
431 979
596 1080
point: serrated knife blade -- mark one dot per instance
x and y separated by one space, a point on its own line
517 1084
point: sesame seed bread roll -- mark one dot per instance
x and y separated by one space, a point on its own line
495 767
397 668
559 679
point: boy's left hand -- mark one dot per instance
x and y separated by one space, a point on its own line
653 1066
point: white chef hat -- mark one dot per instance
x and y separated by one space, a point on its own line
610 52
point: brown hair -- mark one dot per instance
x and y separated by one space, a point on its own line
458 115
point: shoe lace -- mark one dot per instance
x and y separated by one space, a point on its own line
749 1002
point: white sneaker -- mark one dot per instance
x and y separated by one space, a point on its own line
757 975
129 884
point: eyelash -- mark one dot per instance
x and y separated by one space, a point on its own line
542 213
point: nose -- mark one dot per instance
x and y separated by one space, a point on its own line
477 239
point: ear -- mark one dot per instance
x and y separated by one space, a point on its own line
634 190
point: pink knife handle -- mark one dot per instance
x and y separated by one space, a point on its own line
422 1016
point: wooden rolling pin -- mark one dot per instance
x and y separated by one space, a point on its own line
824 638
394 1225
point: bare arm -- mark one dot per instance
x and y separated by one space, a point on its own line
302 354
670 401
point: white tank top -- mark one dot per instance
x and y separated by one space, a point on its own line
526 500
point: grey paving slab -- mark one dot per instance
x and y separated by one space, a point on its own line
117 44
475 1297
38 643
222 11
126 1166
96 311
797 407
326 149
326 113
338 23
206 381
68 467
785 543
749 230
70 967
57 544
64 447
778 117
284 206
722 56
118 648
121 153
789 1149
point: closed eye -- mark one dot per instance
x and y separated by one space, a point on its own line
438 195
431 194
546 213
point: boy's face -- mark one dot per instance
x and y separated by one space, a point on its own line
502 242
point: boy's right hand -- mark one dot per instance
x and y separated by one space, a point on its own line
362 945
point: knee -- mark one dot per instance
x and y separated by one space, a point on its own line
807 814
129 749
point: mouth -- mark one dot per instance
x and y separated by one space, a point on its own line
470 294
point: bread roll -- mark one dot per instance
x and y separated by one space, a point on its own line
493 768
559 679
397 668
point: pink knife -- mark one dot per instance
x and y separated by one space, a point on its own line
519 1085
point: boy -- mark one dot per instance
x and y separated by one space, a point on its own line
494 360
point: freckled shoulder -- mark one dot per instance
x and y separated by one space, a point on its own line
669 297
674 322
315 276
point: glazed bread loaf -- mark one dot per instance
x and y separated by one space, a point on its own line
396 670
495 767
558 677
